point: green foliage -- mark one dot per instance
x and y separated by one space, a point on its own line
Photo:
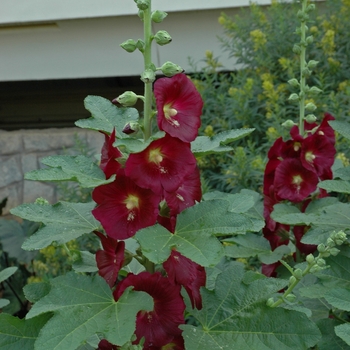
255 96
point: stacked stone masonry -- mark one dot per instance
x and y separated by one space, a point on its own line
21 152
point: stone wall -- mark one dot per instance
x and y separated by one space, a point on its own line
21 151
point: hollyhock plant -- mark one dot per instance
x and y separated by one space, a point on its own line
161 325
187 273
179 107
162 166
123 208
109 155
110 259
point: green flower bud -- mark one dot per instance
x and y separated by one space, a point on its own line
288 124
127 99
292 280
339 242
129 45
41 201
148 76
298 274
169 69
131 127
321 248
310 107
158 16
140 45
293 82
334 251
341 235
310 118
293 97
326 254
306 72
270 302
290 297
315 90
142 4
315 268
312 64
298 31
162 37
310 8
309 39
330 242
141 14
297 49
310 259
321 262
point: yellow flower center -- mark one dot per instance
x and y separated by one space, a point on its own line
131 202
155 156
309 157
169 113
297 180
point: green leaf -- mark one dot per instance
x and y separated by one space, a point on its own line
89 309
12 236
339 186
235 313
4 302
329 340
135 145
342 127
35 291
63 222
6 273
18 333
204 145
106 116
343 332
342 173
70 168
86 262
253 245
339 298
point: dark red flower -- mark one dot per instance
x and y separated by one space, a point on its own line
179 107
109 154
161 325
294 182
299 232
325 129
106 345
162 165
110 259
186 195
123 208
269 270
279 236
168 222
187 273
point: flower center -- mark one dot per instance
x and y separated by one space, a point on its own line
296 146
155 156
297 180
169 113
309 157
131 202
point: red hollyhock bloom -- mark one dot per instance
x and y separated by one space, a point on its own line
186 195
161 325
109 153
299 232
279 236
124 208
269 270
106 345
187 273
293 181
168 222
179 107
162 165
110 259
325 129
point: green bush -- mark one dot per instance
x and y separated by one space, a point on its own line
259 40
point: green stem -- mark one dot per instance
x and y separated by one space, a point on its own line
67 250
302 68
147 56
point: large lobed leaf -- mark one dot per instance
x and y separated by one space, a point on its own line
70 168
105 116
63 222
235 315
84 306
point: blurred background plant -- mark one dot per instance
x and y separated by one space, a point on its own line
259 40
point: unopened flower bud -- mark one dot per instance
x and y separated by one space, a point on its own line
321 262
334 251
129 45
298 273
141 14
292 280
158 16
41 201
315 90
142 4
293 82
338 242
288 124
291 298
140 45
162 37
330 242
310 118
127 99
310 258
321 248
312 64
310 107
326 254
293 97
306 72
315 268
310 39
341 235
297 49
270 302
131 127
310 8
169 69
148 76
